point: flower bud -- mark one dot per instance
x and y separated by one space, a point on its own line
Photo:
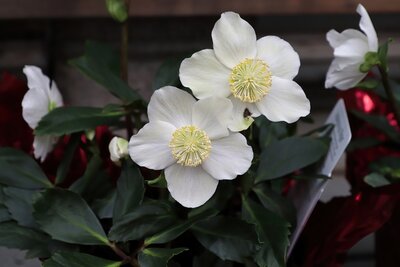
118 148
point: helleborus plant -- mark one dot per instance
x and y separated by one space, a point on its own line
356 56
351 49
188 181
41 98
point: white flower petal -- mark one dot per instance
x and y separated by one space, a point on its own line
212 115
352 49
239 122
35 105
172 105
205 75
336 39
36 78
367 27
230 156
43 145
343 77
233 39
280 56
55 95
190 186
286 101
149 147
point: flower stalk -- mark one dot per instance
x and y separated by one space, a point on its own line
124 64
389 93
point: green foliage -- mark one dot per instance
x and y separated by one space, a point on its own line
130 190
368 84
20 170
67 120
294 153
19 203
178 229
157 257
13 235
75 259
382 54
98 64
276 203
273 233
376 180
57 210
379 122
227 237
117 9
370 60
168 73
69 152
146 220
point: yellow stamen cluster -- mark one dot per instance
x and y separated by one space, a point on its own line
190 146
250 80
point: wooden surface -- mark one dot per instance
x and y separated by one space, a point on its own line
95 8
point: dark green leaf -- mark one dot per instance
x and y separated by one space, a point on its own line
96 69
13 235
67 120
276 203
157 257
65 216
117 9
272 230
75 259
20 170
176 230
19 203
379 122
270 131
69 152
168 73
130 190
294 153
229 238
208 259
92 169
361 143
376 180
145 220
104 207
4 214
105 54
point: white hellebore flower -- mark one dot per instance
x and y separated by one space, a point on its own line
350 47
191 141
254 74
41 98
118 148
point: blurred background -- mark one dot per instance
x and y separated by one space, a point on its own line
48 33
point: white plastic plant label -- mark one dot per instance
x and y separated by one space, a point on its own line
306 193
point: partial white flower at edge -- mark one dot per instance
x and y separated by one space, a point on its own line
40 99
191 141
350 47
256 75
118 148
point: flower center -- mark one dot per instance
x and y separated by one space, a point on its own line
190 146
52 105
250 80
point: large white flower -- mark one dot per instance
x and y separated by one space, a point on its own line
40 99
191 141
350 47
254 74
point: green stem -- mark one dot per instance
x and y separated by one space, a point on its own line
389 93
119 252
124 65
